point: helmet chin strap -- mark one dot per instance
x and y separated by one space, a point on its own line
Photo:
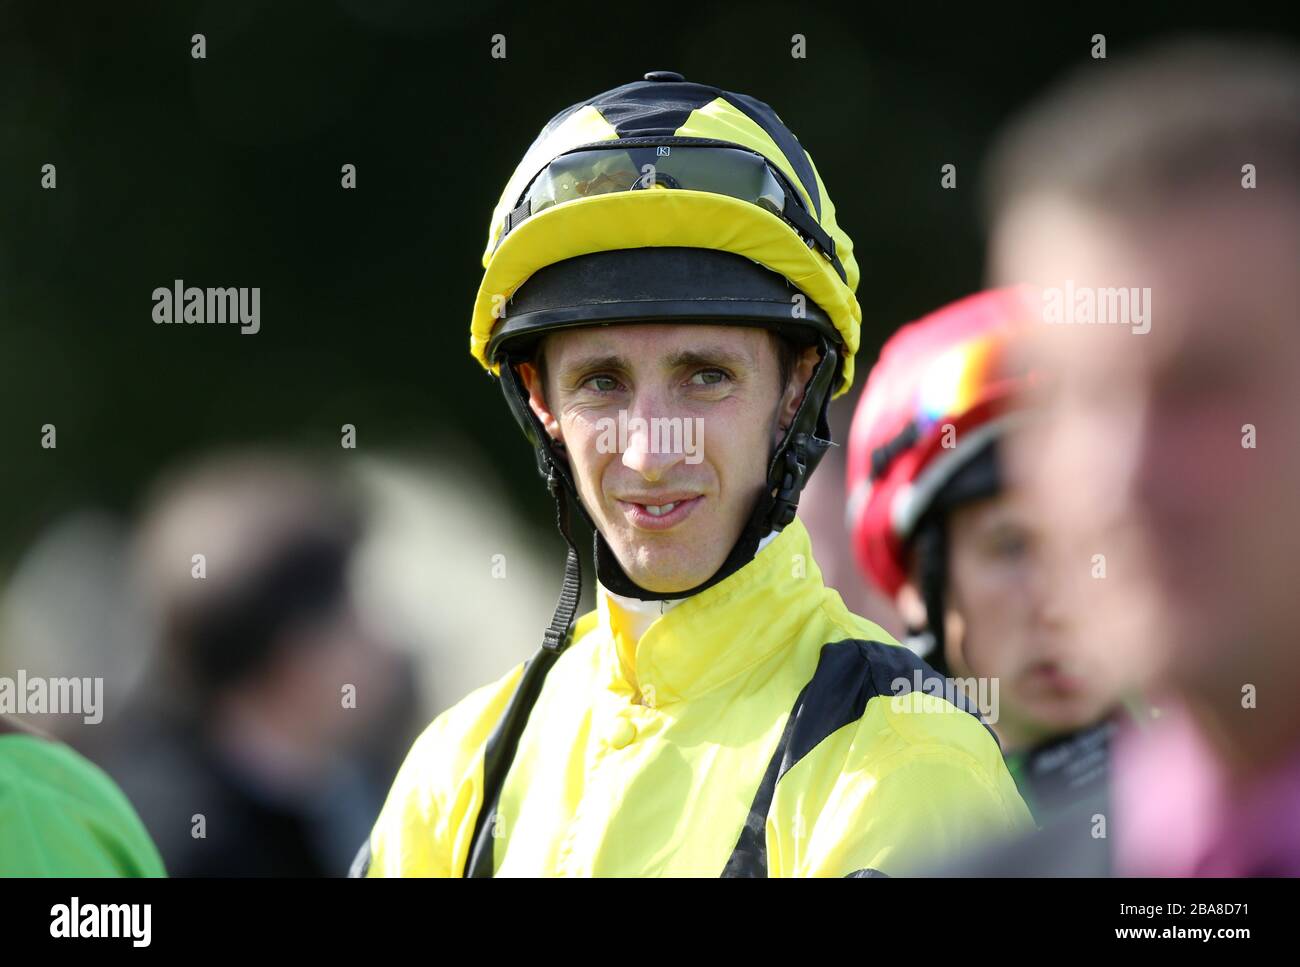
793 460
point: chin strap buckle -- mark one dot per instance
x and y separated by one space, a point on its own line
793 478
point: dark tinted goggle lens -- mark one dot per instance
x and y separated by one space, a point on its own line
735 172
722 171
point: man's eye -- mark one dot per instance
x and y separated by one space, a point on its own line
1010 544
601 384
708 377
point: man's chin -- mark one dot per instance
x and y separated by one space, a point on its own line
658 581
666 570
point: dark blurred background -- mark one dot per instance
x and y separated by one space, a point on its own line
225 171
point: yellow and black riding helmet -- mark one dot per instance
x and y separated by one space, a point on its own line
660 201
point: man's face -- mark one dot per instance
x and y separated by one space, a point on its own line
1172 458
1006 621
668 430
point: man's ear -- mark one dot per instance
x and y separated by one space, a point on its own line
794 389
911 606
532 381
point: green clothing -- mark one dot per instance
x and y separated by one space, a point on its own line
1054 774
61 815
1058 772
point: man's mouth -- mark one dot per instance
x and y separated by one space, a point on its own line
1063 678
659 513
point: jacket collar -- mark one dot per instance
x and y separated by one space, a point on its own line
668 651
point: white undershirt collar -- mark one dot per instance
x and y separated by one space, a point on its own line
643 613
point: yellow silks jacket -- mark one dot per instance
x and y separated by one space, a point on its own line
758 728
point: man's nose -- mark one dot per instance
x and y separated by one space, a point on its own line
650 450
1050 590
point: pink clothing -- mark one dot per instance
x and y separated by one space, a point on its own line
1177 814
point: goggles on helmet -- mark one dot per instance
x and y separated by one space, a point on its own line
669 164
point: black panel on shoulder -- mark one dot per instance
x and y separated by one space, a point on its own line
849 674
888 664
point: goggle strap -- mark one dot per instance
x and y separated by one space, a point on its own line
517 216
807 226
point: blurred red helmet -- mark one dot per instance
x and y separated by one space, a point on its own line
937 396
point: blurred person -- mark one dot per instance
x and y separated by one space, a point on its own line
935 523
248 749
1170 458
720 711
61 815
821 508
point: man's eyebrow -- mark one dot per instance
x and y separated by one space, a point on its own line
709 356
597 361
682 359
